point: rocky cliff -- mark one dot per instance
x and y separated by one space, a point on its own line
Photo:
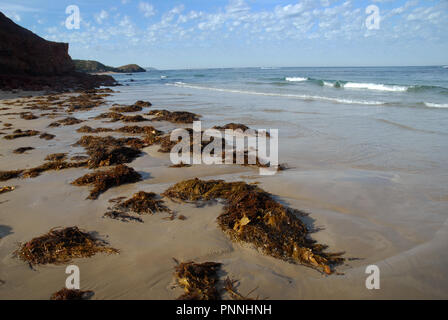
91 66
30 62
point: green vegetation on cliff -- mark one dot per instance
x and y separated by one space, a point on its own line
91 66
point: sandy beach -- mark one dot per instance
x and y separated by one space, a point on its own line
351 207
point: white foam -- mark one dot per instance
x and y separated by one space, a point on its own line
375 86
436 105
296 96
296 79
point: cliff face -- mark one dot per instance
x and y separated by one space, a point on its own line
29 62
23 52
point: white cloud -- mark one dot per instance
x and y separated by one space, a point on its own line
147 9
100 17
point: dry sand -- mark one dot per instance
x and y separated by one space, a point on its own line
352 208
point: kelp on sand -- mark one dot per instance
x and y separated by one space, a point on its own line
104 180
198 280
140 203
107 151
61 245
253 216
71 294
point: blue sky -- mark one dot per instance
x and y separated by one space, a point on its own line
237 33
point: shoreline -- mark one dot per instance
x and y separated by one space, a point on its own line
144 267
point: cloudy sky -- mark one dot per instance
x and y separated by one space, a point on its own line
236 33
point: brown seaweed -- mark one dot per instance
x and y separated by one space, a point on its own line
49 166
61 245
56 157
6 189
106 151
28 116
122 216
253 216
47 136
104 180
69 121
7 175
71 294
174 116
143 203
133 108
20 134
198 280
22 150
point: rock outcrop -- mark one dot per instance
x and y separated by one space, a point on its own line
90 66
30 62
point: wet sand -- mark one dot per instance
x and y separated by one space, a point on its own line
377 217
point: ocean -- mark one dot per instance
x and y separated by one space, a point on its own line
382 118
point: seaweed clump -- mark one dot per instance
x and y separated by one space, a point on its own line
22 150
56 157
6 189
51 165
71 294
252 215
69 121
140 203
47 136
107 151
20 134
132 108
115 116
174 116
198 280
144 203
61 245
104 180
7 175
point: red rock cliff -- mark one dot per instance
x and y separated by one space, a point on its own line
23 52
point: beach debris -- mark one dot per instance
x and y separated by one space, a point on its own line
22 150
79 158
87 129
7 175
20 134
237 126
232 126
36 171
198 280
28 116
69 121
140 203
253 216
71 294
229 286
6 189
49 166
61 245
132 108
143 203
107 151
143 104
149 130
47 136
180 165
115 116
173 116
56 157
122 216
104 180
